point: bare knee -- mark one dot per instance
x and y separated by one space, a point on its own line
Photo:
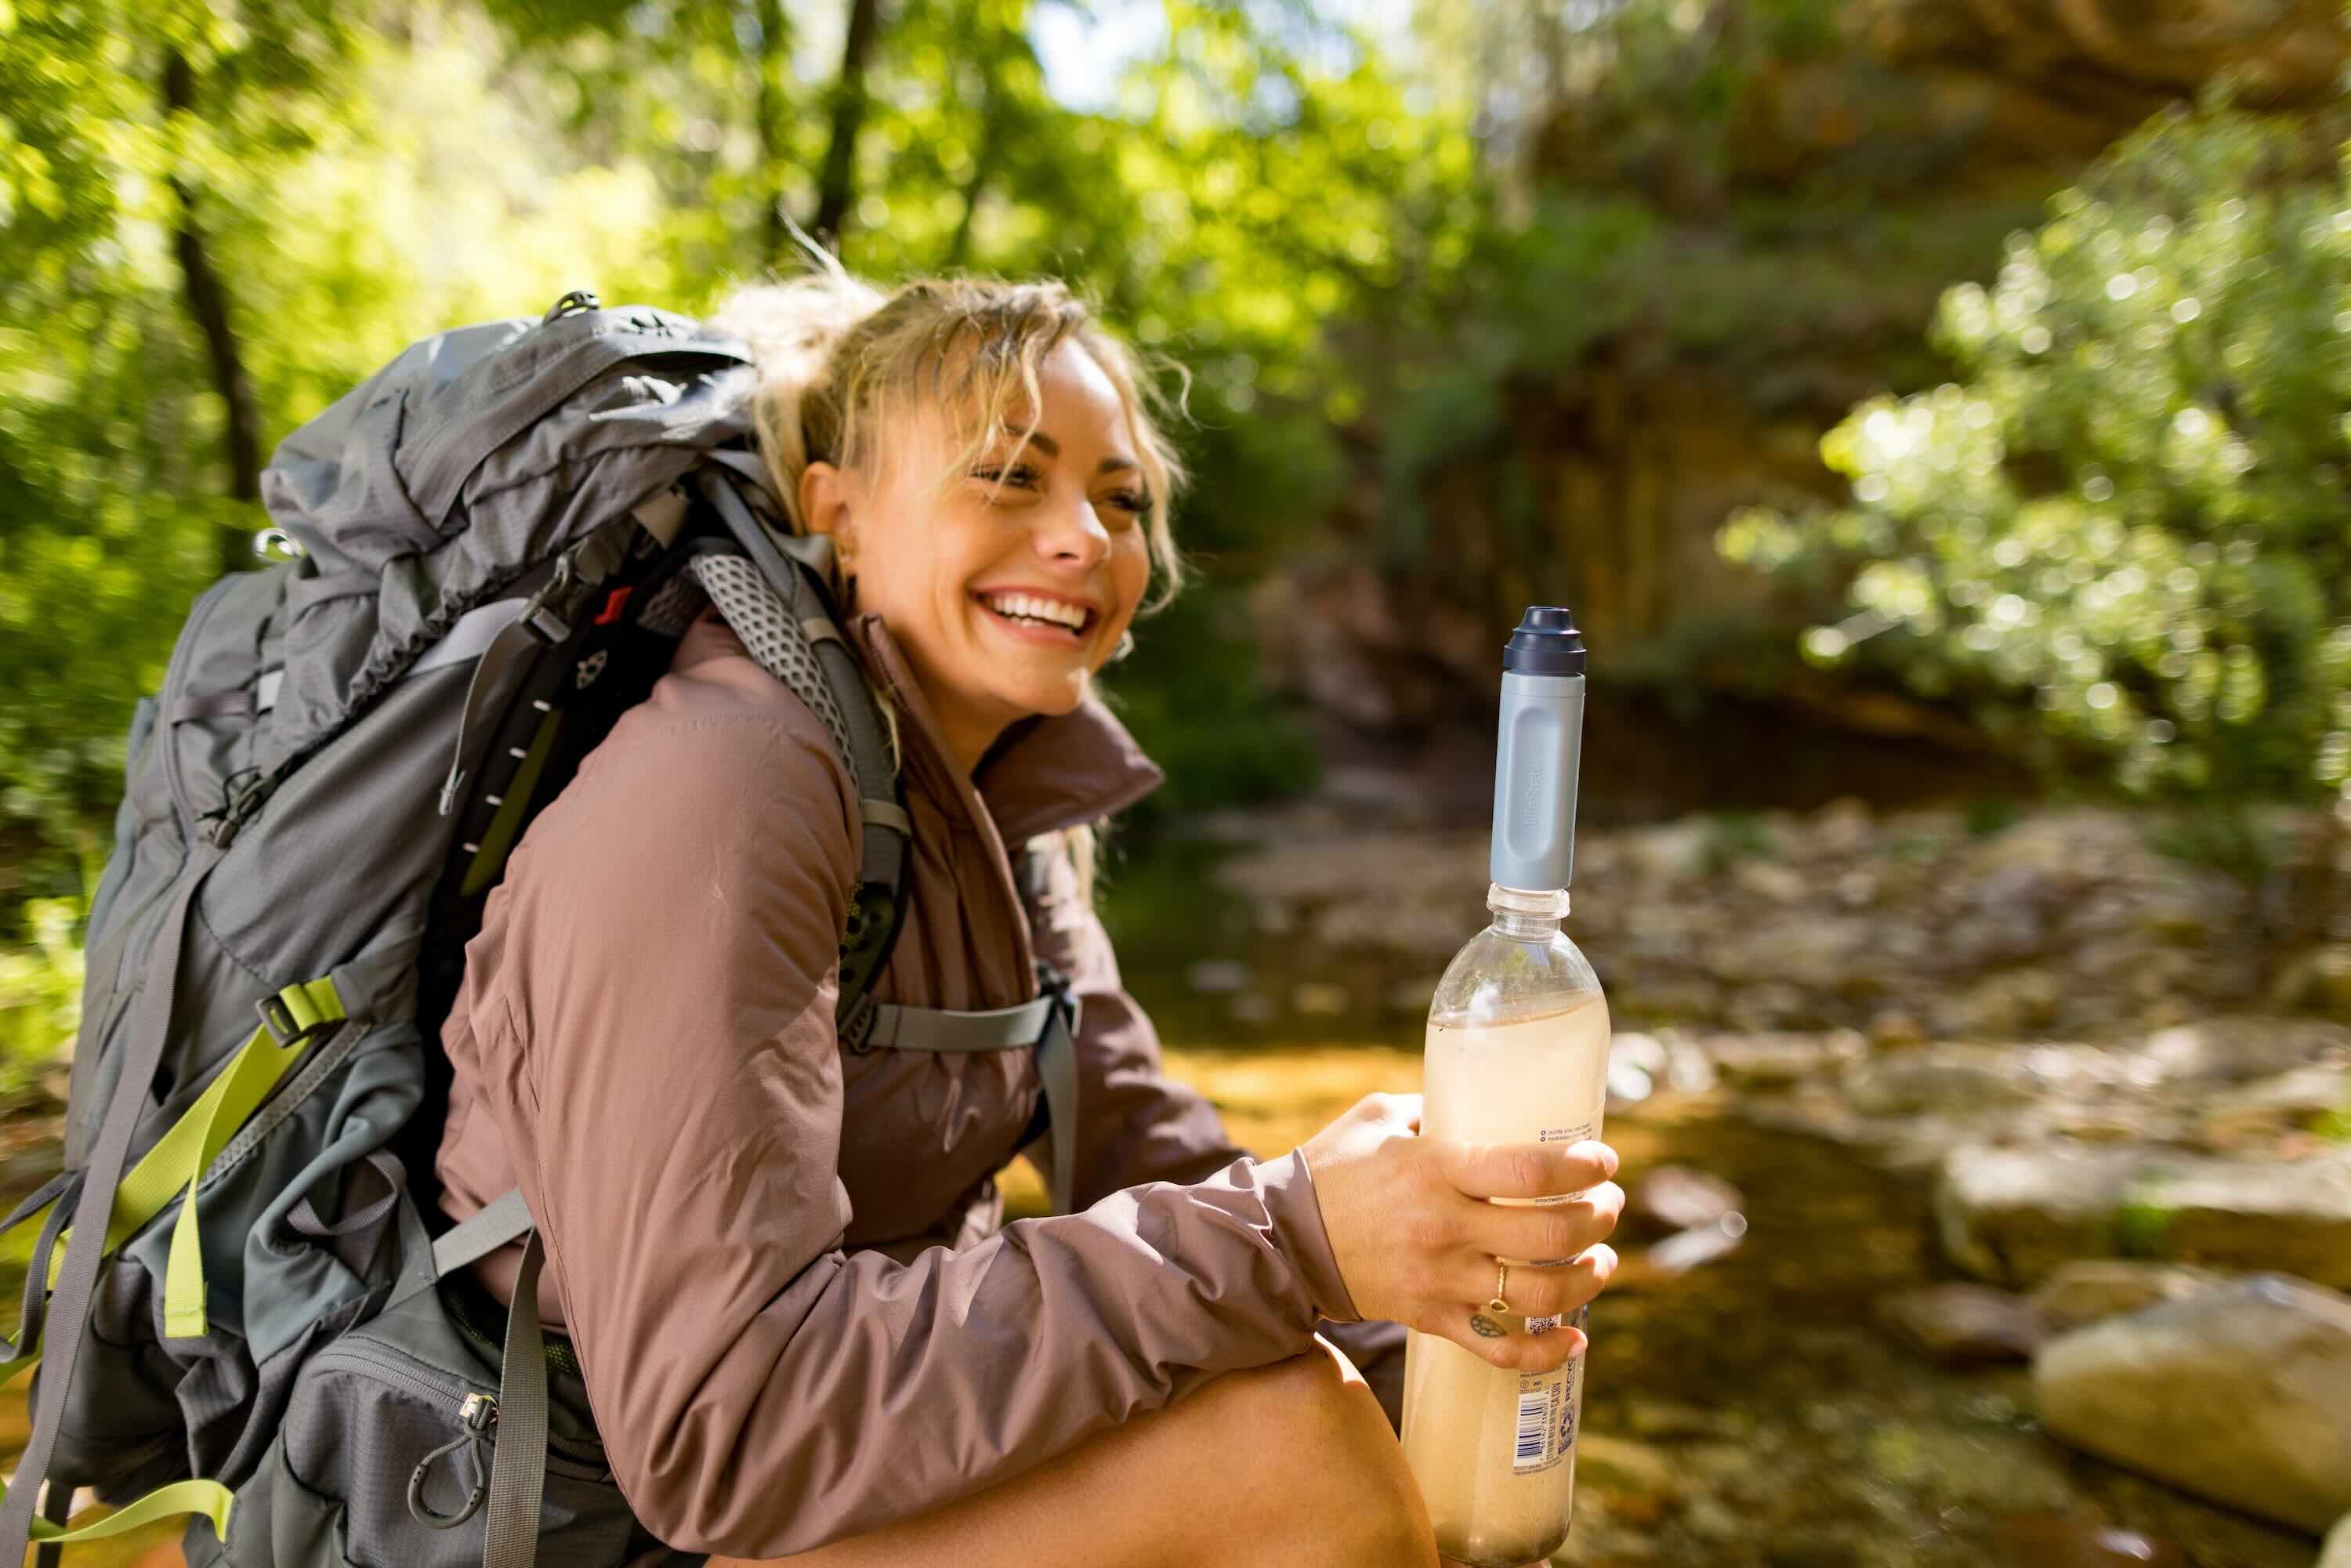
1332 1477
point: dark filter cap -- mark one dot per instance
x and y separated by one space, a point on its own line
1546 644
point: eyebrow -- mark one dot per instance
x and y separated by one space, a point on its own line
1053 448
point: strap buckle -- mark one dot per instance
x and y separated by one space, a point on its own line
855 1026
1067 1006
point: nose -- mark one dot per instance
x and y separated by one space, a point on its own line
1070 535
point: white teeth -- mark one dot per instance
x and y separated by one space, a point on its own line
1051 610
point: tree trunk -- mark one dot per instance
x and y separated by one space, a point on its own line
208 302
772 62
837 187
976 186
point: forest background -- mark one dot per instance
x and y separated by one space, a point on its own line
1915 399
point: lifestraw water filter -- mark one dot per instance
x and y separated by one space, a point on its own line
1517 1052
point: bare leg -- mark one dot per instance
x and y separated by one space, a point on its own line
1290 1466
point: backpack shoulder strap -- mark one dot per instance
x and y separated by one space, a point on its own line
779 607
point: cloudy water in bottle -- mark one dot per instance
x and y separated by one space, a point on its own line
1517 1052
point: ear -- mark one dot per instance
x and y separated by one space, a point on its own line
825 497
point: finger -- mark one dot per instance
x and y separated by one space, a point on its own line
1522 1170
1517 1350
1544 1233
1539 1292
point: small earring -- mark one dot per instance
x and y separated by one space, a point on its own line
1125 646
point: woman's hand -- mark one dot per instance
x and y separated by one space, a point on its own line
1417 1242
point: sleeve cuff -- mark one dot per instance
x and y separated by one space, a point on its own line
1289 1186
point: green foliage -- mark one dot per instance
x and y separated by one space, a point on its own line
2129 507
40 990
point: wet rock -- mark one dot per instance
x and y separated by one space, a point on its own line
1966 1325
2318 981
1678 1196
2011 1005
1764 1060
2165 1391
2043 1540
2237 1048
1939 1078
1800 948
1891 1030
1772 881
2092 1289
2258 1114
1673 852
2015 1214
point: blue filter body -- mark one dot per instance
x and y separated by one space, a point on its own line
1537 751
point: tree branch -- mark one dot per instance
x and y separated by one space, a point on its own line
208 302
774 43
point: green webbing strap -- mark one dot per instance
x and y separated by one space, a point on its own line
518 1471
176 1162
209 1499
212 1122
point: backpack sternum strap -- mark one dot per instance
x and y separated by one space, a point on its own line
1050 1023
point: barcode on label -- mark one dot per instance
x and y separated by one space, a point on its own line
1534 1427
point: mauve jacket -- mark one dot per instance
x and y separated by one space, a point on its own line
783 1265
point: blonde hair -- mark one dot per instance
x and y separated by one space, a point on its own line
838 359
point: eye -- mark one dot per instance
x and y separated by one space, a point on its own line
1134 503
1017 474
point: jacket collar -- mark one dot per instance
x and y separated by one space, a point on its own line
1046 773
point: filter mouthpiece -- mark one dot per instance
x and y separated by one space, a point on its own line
1537 752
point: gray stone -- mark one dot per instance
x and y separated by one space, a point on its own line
1966 1325
1939 1078
2318 981
2092 1289
2240 1047
2258 1111
2015 1214
2242 1395
1763 1061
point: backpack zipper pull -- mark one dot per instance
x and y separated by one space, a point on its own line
479 1413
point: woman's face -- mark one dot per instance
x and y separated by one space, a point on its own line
1011 585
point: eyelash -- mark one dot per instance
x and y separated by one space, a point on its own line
1020 474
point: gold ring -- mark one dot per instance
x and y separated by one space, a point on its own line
1501 1282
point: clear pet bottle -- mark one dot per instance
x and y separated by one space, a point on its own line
1517 1052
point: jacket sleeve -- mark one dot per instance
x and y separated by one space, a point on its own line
670 1087
1141 1126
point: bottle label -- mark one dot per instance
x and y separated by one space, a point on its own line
1545 1431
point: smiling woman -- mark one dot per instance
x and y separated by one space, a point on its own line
777 1248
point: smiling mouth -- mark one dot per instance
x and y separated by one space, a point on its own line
1050 615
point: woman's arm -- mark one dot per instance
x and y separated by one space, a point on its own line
1137 1124
659 1052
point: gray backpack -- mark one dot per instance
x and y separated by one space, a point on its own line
237 1304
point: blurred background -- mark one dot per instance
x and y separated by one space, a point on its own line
1938 414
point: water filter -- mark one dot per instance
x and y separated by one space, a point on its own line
1517 1052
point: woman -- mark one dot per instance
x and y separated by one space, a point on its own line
804 1330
